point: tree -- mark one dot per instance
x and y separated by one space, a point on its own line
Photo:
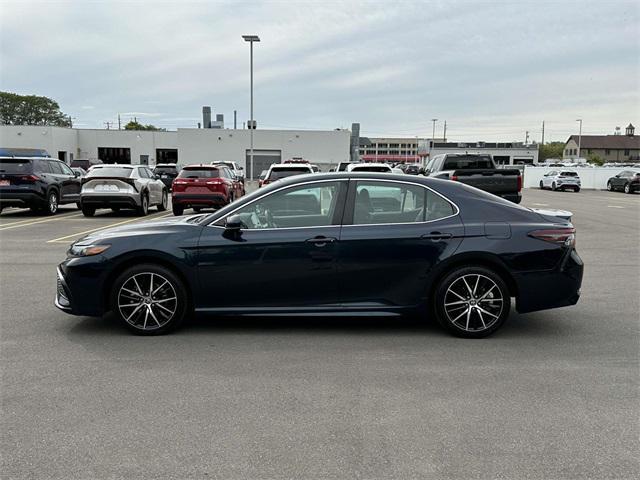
550 150
135 125
595 159
31 110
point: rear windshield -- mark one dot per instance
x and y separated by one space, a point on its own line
15 165
463 162
373 168
277 174
165 170
110 172
199 173
568 174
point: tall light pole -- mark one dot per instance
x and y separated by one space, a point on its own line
252 125
579 136
433 136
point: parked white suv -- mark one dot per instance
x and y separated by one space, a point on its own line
561 180
369 167
278 171
236 169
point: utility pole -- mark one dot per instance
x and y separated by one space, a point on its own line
579 136
433 137
252 125
526 138
235 119
444 135
108 124
542 133
119 122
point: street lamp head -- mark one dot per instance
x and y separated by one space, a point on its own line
251 38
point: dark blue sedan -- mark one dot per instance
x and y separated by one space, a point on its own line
334 244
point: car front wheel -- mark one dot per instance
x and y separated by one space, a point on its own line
149 299
177 209
627 188
165 201
609 186
472 302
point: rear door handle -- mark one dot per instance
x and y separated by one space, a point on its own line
436 236
320 241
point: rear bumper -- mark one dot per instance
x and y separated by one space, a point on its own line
556 288
204 199
21 199
108 201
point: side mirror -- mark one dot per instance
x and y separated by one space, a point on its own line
233 223
76 174
240 168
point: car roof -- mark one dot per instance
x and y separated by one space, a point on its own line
116 165
201 166
165 164
291 165
22 157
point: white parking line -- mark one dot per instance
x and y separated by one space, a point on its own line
27 222
614 206
66 238
541 204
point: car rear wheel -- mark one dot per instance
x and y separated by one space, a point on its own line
177 210
577 189
88 211
143 209
541 185
609 186
472 302
52 203
149 299
627 188
165 201
553 186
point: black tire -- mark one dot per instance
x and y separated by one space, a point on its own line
577 189
553 186
627 188
177 210
165 201
51 207
609 186
88 211
143 209
541 185
197 209
78 205
149 319
472 310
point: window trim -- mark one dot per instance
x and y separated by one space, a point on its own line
350 204
339 213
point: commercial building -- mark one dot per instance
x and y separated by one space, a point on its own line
186 145
610 148
393 149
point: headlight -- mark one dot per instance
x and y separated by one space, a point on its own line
87 250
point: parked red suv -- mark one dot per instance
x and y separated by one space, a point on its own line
203 186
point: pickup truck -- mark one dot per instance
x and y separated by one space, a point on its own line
478 171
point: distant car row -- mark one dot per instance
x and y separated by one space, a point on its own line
43 184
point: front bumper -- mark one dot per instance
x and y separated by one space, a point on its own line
105 200
79 287
559 287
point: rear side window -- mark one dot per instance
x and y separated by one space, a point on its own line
15 166
110 172
199 173
467 162
278 173
56 167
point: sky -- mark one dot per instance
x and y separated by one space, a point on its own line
493 70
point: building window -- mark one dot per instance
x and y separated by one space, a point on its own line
626 152
607 151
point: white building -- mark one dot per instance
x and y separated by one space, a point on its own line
186 145
513 153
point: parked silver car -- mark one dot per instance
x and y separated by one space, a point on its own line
122 186
561 180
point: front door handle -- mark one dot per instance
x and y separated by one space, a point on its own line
436 236
320 241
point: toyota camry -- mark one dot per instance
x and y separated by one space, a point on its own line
346 243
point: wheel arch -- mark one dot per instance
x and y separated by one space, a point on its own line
481 259
146 257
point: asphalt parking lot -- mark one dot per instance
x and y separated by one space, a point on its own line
553 394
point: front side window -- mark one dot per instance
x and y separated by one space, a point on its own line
55 167
302 206
66 169
388 202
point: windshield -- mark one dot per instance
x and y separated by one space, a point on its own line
568 174
122 172
277 174
15 165
199 173
372 168
464 162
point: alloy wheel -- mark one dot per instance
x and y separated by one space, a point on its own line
147 301
473 303
53 203
627 188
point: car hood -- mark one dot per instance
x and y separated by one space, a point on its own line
155 227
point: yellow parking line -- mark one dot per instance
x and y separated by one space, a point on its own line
26 223
66 238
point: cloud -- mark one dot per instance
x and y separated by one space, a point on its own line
492 69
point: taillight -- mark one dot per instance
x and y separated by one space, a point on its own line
454 178
519 183
561 236
30 178
179 182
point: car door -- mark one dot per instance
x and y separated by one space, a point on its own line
284 256
145 182
65 182
394 233
74 182
156 185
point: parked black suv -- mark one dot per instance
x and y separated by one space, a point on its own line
38 183
167 173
